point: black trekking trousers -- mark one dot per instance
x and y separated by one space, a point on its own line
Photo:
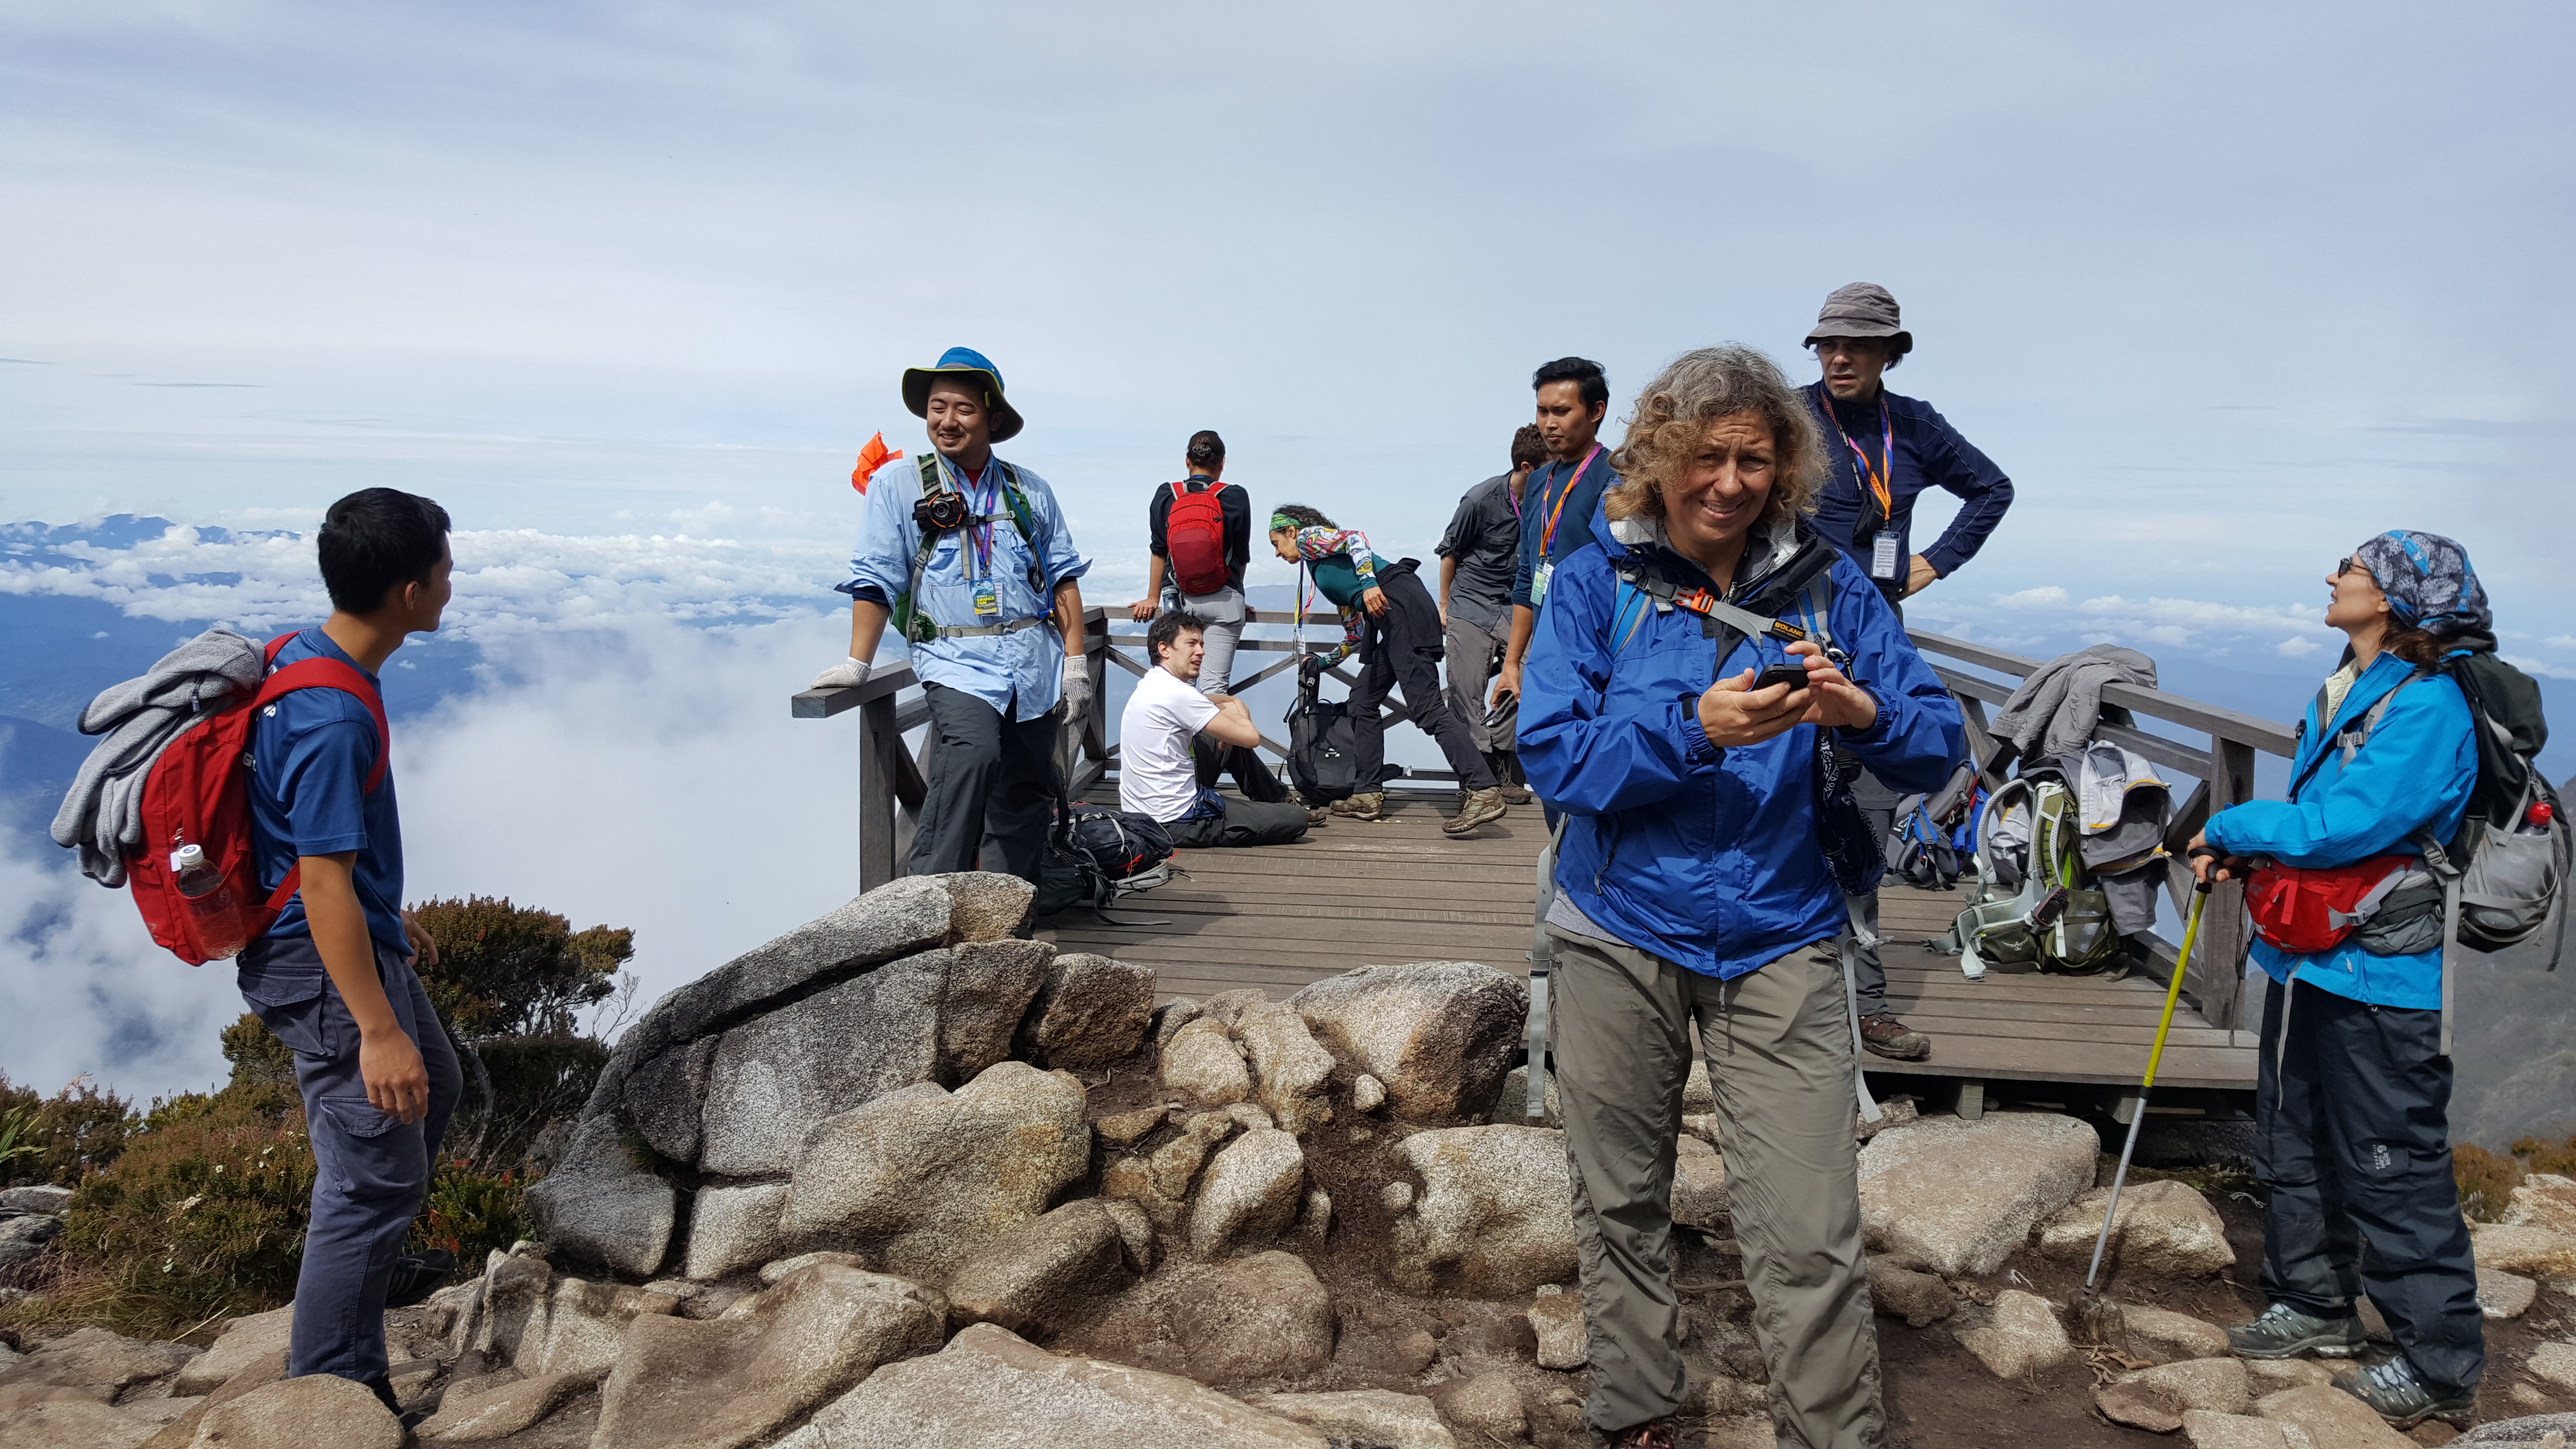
992 789
1402 650
2352 1140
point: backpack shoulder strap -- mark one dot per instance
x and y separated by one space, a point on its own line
331 674
2352 740
1018 503
934 479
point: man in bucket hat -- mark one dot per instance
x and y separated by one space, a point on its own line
1882 451
969 558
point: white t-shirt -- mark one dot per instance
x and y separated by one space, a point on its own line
1156 776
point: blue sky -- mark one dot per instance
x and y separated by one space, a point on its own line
2223 288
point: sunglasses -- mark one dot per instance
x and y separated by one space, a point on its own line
2346 566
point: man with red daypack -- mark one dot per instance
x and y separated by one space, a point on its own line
1202 538
332 976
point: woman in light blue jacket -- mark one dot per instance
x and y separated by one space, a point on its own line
2355 1092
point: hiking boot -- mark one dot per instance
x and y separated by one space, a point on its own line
1370 806
1884 1035
1318 815
2285 1332
1482 806
418 1275
2396 1394
1653 1434
1506 766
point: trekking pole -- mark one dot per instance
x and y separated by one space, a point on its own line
2137 1119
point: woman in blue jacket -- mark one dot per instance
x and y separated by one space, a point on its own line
2355 1092
1691 883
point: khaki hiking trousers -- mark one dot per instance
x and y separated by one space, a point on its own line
1779 1051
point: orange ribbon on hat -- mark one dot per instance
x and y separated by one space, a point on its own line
872 457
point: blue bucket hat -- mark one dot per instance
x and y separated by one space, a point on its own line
2428 581
967 362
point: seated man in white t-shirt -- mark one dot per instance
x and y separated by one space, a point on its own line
1157 775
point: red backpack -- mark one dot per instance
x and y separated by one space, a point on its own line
1194 531
197 792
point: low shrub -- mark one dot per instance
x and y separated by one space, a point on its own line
473 1214
2538 1156
2486 1180
74 1132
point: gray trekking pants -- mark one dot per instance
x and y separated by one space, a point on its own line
1779 1051
1474 656
371 1171
992 789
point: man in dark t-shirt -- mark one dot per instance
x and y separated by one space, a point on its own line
332 976
1478 557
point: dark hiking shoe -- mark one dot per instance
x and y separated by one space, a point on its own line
2394 1393
2285 1332
1482 806
418 1275
1885 1036
1506 766
1370 806
1318 815
1653 1434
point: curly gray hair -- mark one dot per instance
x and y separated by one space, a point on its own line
1696 389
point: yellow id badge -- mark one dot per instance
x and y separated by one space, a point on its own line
988 604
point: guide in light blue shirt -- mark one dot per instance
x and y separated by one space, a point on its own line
968 557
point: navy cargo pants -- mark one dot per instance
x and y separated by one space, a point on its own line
371 1171
2353 1144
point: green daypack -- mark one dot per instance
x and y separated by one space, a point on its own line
2043 908
913 625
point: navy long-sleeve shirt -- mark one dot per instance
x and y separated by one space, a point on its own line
1929 454
1557 504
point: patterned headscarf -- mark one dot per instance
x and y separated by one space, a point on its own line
2428 581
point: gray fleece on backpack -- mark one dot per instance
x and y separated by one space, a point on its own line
102 816
2061 701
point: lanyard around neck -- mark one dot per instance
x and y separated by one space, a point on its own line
1881 479
1547 532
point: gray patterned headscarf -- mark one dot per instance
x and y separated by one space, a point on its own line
2428 581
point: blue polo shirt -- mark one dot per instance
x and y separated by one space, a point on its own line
310 752
1557 505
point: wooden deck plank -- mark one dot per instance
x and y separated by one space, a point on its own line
1360 893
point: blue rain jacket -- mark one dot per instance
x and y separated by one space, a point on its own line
1703 856
2418 769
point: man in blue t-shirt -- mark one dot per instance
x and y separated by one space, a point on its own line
332 977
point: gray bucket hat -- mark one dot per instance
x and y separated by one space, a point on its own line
1861 309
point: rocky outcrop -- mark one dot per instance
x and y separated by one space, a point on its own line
1160 1183
928 1176
1440 1035
738 1379
2155 1399
2330 1416
2505 1295
1956 1197
1918 1298
1494 1218
2163 1227
940 1016
500 1410
732 1228
243 1342
989 1386
1488 1406
2529 1249
2018 1337
1378 1418
1263 1318
89 1364
2160 1335
525 1315
1202 1063
604 1204
1039 1278
1091 1011
1556 1320
1289 1071
1699 1186
1249 1195
300 1413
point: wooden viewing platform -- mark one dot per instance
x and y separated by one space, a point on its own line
1358 893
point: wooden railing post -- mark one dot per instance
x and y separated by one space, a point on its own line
879 745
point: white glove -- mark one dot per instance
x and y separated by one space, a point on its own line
1077 686
843 675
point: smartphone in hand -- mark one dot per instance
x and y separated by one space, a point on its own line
1791 673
